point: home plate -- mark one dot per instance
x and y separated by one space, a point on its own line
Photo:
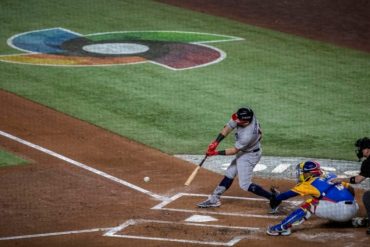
200 218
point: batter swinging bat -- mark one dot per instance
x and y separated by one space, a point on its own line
194 173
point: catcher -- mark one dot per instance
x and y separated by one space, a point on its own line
330 201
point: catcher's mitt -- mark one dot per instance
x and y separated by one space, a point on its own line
274 203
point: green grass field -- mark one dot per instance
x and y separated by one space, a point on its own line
310 97
7 159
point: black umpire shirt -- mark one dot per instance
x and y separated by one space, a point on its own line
365 168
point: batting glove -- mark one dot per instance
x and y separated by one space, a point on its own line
212 152
213 146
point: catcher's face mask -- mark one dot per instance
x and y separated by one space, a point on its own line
359 153
305 170
360 145
299 173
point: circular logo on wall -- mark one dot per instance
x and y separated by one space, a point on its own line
171 49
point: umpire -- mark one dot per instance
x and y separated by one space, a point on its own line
362 151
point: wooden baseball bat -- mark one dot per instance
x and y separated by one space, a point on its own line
194 173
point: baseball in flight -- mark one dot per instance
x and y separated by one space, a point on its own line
146 179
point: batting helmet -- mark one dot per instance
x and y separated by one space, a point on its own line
243 114
309 166
360 145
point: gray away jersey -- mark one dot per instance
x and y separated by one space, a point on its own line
247 138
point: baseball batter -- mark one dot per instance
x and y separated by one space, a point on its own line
332 201
247 151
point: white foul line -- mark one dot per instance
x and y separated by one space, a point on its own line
55 234
83 166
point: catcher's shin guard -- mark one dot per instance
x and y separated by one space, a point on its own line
297 217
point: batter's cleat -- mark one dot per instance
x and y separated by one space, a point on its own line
211 202
368 231
278 230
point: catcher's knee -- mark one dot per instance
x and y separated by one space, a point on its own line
306 215
310 205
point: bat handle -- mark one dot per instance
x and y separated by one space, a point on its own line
194 173
204 159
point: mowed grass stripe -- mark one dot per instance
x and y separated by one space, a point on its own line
309 96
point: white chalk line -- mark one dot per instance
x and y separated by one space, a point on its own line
222 213
55 234
83 166
234 240
281 168
162 206
112 230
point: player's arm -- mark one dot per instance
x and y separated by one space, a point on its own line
229 151
214 144
276 199
349 187
306 189
226 130
286 195
352 180
356 179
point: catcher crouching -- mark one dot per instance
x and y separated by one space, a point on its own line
332 201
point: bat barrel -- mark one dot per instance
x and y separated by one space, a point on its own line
194 173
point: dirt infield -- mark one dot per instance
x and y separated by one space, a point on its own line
84 187
341 22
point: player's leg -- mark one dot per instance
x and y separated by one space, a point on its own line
297 217
366 201
340 212
245 164
214 199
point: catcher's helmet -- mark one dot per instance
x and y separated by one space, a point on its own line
243 114
360 145
309 166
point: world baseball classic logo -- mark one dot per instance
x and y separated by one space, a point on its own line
174 50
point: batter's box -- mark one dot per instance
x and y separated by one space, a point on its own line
232 206
190 233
